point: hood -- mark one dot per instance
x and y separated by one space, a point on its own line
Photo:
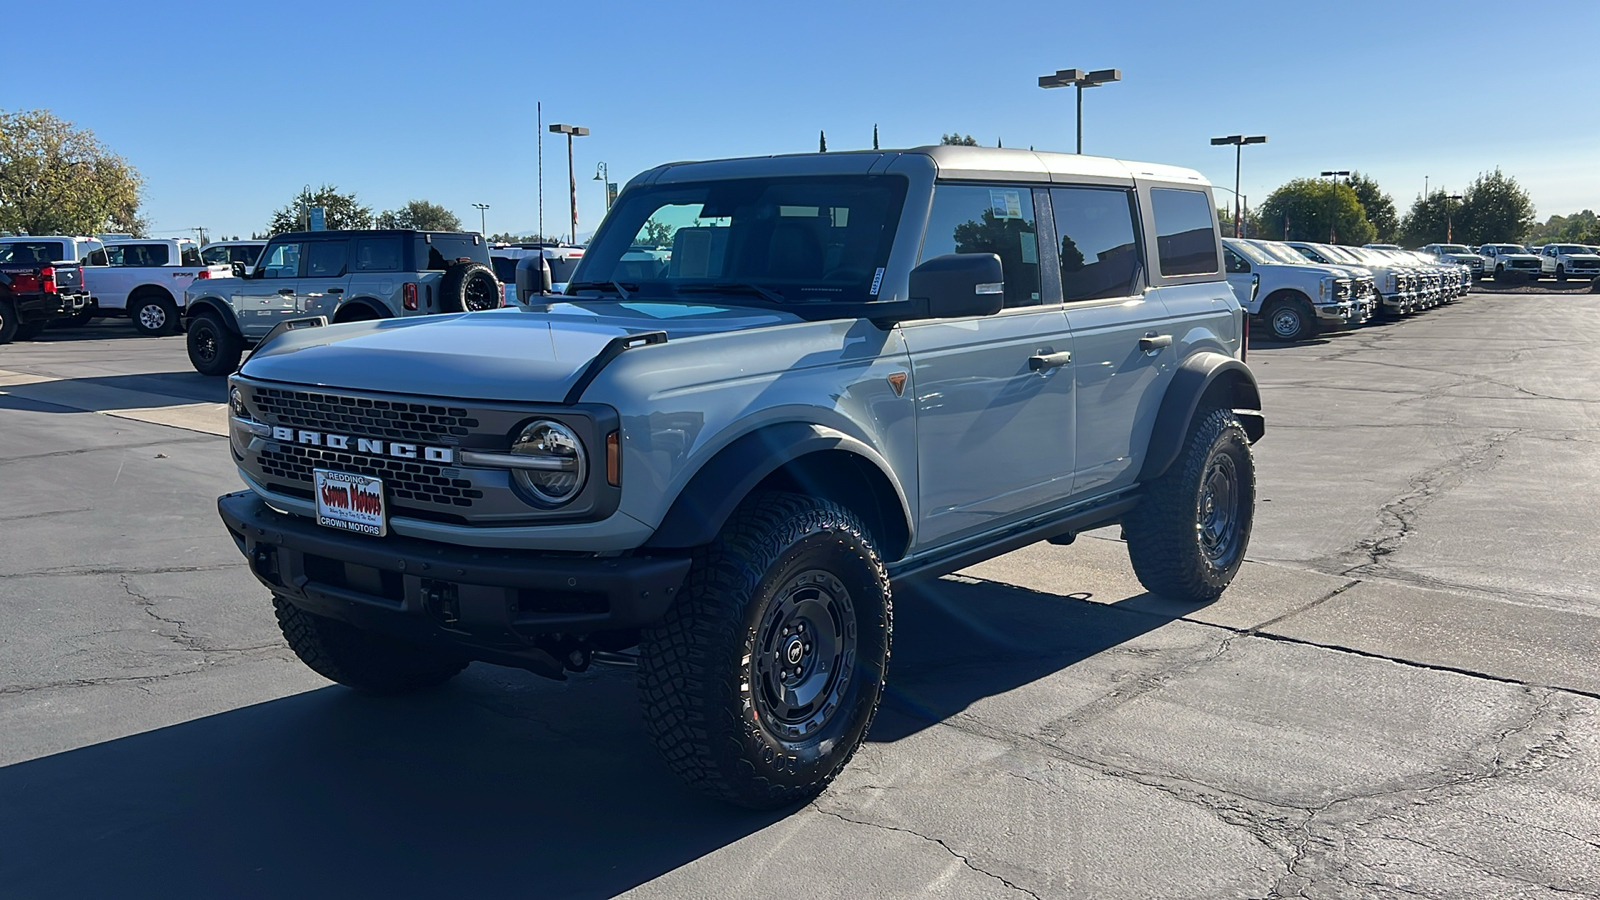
514 354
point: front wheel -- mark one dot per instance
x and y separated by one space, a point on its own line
1187 536
1561 273
8 322
764 676
370 663
1291 319
213 349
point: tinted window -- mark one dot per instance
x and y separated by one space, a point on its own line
505 269
325 259
214 255
989 219
138 254
1099 250
445 249
281 261
377 255
97 258
1236 263
32 252
1186 239
189 256
247 254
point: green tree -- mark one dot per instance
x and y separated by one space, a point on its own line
1495 208
657 234
1252 223
1310 209
958 139
59 179
1433 219
421 215
1378 206
341 212
506 237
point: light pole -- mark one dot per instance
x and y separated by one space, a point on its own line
1238 141
1333 234
1449 217
603 175
571 131
1080 79
1239 200
481 208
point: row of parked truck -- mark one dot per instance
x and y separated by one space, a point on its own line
1299 289
1516 263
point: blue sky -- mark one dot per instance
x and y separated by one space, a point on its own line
228 110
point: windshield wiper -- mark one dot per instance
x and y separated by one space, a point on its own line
734 287
622 288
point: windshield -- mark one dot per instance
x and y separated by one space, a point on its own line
1572 248
1251 252
1282 254
1453 248
1341 254
1508 248
802 239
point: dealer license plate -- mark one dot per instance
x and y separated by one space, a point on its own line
350 502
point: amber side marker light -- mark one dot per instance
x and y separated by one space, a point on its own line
614 458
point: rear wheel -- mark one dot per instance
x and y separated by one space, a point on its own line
153 314
370 663
8 322
1187 536
213 348
765 674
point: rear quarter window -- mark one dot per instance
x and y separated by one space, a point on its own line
32 252
1186 238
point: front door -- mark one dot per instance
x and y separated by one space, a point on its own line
994 394
269 295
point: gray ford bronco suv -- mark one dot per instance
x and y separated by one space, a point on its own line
848 371
342 276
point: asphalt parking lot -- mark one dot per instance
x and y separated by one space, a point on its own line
1399 696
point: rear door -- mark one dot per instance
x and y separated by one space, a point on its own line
322 284
995 431
130 266
1109 308
376 269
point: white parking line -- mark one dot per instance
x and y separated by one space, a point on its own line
120 403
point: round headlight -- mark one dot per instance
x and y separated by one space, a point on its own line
236 402
556 461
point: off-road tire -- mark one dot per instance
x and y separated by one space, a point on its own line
370 663
703 674
1289 307
8 322
29 331
1164 531
213 348
469 287
153 314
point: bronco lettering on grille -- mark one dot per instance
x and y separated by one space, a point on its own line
396 449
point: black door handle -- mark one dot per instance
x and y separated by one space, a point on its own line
287 292
1154 342
335 290
1044 362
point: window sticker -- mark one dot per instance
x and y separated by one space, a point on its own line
1030 247
877 281
1006 204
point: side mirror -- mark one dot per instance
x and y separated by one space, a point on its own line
956 285
239 270
533 278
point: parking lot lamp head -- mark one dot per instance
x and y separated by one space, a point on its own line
571 131
481 207
1237 141
1080 79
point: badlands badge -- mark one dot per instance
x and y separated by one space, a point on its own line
350 502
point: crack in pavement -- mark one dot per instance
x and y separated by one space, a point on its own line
932 840
180 630
79 571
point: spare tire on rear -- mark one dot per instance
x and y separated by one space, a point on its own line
469 287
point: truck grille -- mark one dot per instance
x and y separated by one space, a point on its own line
417 482
416 422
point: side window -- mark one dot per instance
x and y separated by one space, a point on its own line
281 261
96 258
1186 240
995 219
247 254
1236 263
325 259
1099 247
377 255
190 256
214 255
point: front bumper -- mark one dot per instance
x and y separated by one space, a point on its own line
45 307
489 603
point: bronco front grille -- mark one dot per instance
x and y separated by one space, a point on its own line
393 419
403 480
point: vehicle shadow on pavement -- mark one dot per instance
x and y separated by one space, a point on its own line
138 391
958 641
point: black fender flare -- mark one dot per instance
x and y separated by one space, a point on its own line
378 309
721 484
1200 375
223 311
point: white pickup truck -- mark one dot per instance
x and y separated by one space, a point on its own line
1509 261
1566 260
1295 298
145 280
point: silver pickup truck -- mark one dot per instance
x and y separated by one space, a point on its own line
847 371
